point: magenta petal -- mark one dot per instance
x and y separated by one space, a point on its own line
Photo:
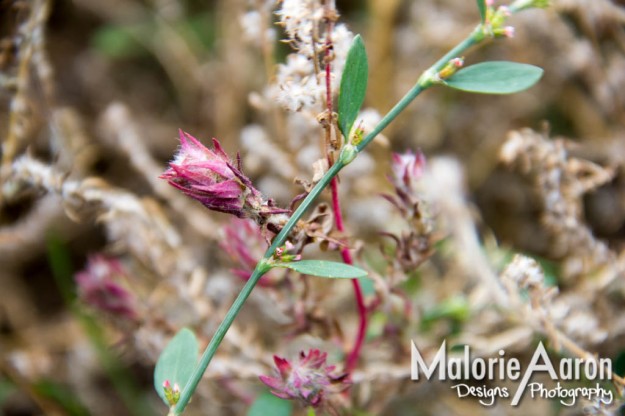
284 367
281 395
194 143
272 382
219 150
216 166
227 189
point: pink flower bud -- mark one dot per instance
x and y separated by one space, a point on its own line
508 31
457 62
212 178
99 285
307 380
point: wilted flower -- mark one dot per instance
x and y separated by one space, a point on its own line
413 246
211 177
407 169
244 243
99 286
308 380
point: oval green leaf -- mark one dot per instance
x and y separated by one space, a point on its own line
177 362
353 85
268 404
496 77
481 5
322 268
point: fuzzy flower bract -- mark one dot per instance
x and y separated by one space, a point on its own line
308 380
212 178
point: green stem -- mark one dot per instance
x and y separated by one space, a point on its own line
209 352
261 268
420 86
310 198
475 37
347 155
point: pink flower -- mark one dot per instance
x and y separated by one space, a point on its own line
308 380
508 31
211 177
407 169
99 286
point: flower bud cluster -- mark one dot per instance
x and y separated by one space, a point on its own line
307 380
212 178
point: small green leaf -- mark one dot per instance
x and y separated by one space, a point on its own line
496 77
481 5
353 85
322 268
268 404
177 362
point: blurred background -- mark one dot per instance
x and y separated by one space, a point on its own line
92 95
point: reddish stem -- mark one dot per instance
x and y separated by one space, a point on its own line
352 358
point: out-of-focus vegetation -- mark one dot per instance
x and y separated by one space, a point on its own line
92 94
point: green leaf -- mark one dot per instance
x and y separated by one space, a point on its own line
496 77
481 5
322 268
177 362
353 85
268 404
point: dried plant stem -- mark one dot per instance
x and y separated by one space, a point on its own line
559 338
33 37
348 153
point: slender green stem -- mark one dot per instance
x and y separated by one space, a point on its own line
475 37
261 268
310 198
347 155
209 352
420 86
